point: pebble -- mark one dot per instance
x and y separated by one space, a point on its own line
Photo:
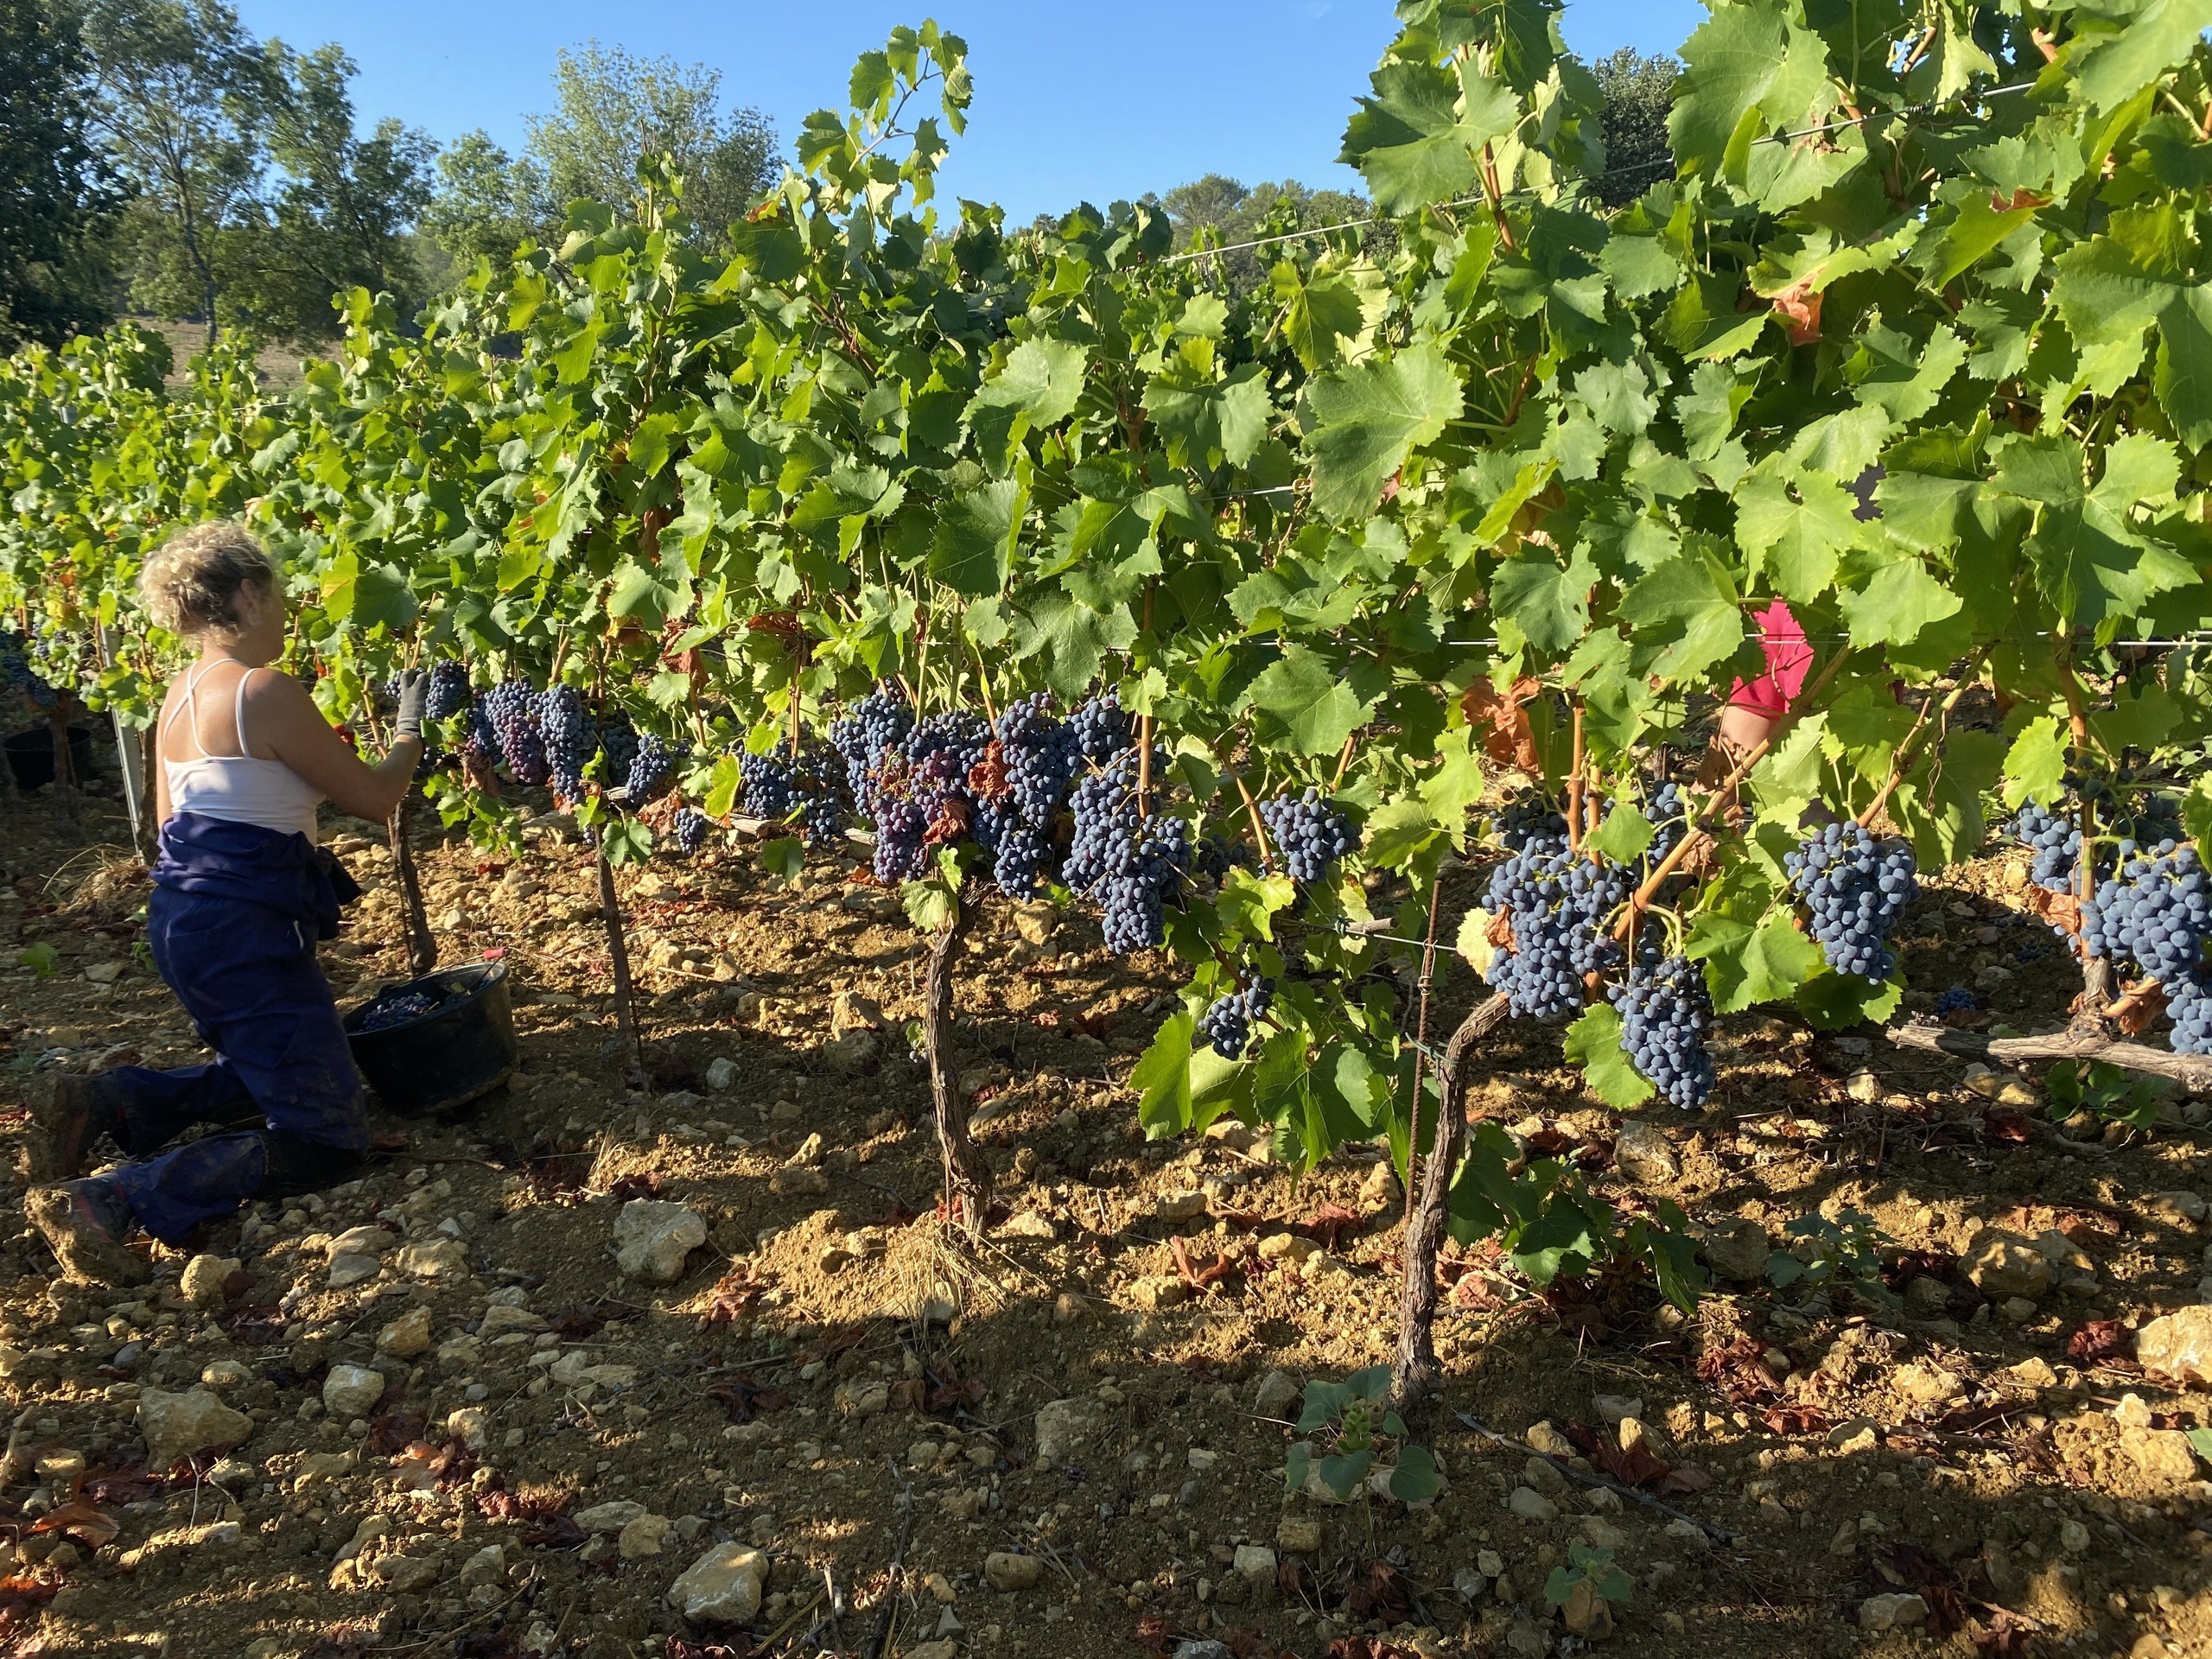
176 1425
652 1238
406 1336
1276 1395
1532 1505
1892 1612
1298 1535
351 1391
201 1283
724 1586
1542 1437
2004 1265
2178 1345
1007 1572
225 1374
645 1537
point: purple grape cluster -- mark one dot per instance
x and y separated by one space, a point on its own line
571 738
1227 1024
511 707
776 787
1558 905
2154 911
1020 786
1129 861
2056 842
1957 999
1665 1012
1854 886
448 693
922 792
618 741
690 827
1101 728
1529 816
652 771
873 727
1309 833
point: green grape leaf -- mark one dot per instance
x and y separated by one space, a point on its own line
2035 765
1896 603
1297 1467
1417 138
1207 420
1367 418
1748 962
722 784
2112 65
1594 1042
1794 528
1833 1001
785 858
1161 1078
1304 698
2091 561
1397 831
1342 1471
1623 836
625 840
1328 311
1547 607
2138 275
972 551
1686 610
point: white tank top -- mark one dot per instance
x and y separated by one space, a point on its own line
236 788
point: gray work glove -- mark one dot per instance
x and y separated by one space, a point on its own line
414 697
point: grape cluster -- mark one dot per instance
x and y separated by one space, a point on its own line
1216 855
1855 887
920 794
2154 911
1529 816
1228 1023
2056 842
1665 1012
571 738
1101 728
618 741
1130 862
1557 903
690 827
652 771
771 789
878 723
1957 999
16 670
449 689
511 707
401 1007
2188 1003
1669 813
1019 786
1309 832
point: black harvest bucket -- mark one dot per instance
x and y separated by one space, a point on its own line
449 1057
30 755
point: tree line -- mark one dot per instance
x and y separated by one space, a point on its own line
156 158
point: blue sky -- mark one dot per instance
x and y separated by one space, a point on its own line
1071 103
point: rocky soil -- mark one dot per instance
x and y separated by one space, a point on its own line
601 1370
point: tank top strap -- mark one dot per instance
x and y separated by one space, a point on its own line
238 715
188 704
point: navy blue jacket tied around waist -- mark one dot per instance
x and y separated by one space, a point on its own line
232 925
218 859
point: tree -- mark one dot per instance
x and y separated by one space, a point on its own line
183 93
58 200
615 110
1638 91
338 212
486 202
1234 214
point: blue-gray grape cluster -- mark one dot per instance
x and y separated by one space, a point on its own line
1558 905
571 738
652 771
690 827
1529 816
1665 1012
512 708
1020 787
777 787
1101 728
1227 1021
1130 862
1309 832
1856 885
16 668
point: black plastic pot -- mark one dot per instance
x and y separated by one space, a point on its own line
30 755
447 1058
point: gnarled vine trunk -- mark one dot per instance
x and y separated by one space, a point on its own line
422 948
618 955
967 1177
1415 1374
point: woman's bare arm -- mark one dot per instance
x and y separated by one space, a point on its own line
282 715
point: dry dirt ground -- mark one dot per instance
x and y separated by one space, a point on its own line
2000 1471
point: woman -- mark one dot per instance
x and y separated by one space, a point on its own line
241 895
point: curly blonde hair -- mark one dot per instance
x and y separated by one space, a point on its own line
191 584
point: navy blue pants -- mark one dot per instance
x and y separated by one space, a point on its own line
246 974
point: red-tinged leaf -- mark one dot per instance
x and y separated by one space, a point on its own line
1794 1419
2098 1342
1328 1225
1203 1273
1156 1632
742 1400
1799 308
635 1186
87 1522
2005 1127
1474 1292
1636 1466
1685 1479
2004 1637
1502 722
